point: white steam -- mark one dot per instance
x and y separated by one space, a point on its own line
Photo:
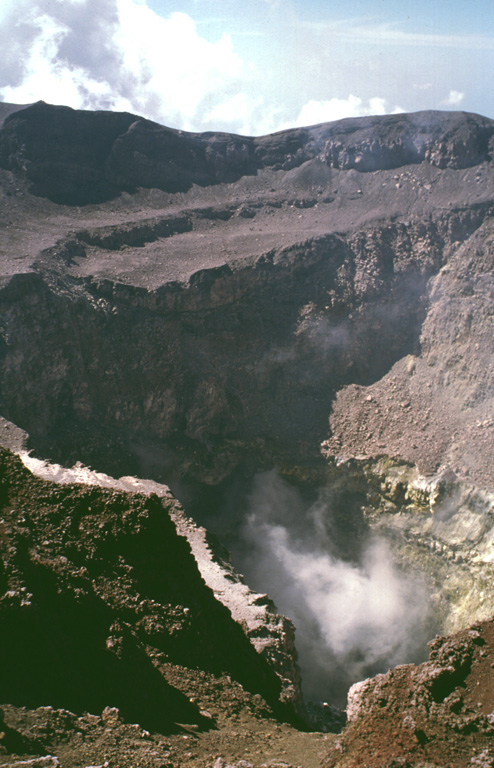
326 110
251 67
355 615
117 54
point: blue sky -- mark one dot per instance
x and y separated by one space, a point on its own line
249 66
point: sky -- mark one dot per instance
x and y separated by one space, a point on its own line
249 66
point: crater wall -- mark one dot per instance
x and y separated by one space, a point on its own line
201 308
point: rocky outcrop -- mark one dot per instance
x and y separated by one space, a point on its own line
271 634
436 714
183 334
377 144
434 408
439 528
92 605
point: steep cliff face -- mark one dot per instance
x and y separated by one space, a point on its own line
97 590
238 362
184 344
438 403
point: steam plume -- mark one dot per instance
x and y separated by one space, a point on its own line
356 614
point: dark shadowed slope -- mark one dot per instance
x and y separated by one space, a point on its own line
76 157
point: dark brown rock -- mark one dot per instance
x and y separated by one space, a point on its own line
436 714
93 584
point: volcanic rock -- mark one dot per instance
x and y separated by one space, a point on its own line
96 586
436 714
189 337
192 308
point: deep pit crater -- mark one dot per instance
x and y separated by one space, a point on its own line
295 336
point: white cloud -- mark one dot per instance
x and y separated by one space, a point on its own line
454 99
390 34
159 67
184 72
233 114
47 78
314 112
181 73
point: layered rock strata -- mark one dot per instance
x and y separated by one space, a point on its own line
434 408
438 526
184 345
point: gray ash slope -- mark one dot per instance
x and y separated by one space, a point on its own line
189 331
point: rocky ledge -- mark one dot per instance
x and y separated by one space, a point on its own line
439 713
93 610
271 633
